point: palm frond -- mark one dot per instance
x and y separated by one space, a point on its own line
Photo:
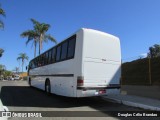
40 28
18 58
35 22
28 41
1 24
28 33
2 12
31 35
22 56
44 27
49 37
1 52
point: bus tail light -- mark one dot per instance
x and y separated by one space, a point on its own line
80 81
102 91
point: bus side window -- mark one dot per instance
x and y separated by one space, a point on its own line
43 59
58 53
53 55
36 63
46 58
49 56
71 48
40 60
30 65
64 50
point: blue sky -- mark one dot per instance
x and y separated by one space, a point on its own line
135 22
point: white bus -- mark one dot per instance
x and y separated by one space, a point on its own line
88 63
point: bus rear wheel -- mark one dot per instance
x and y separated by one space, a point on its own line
29 82
48 87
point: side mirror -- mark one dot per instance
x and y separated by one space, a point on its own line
26 67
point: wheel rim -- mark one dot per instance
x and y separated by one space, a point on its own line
48 88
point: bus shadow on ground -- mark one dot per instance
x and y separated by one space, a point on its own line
25 96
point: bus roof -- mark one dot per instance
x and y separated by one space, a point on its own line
84 30
98 32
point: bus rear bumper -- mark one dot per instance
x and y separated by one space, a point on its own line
96 91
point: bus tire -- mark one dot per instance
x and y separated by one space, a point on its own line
47 87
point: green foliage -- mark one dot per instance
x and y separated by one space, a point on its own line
3 72
32 35
41 29
1 52
49 37
23 57
2 67
38 34
25 78
7 73
154 51
2 13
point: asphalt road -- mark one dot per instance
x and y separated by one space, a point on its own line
18 96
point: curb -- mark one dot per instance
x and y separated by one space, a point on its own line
133 104
139 105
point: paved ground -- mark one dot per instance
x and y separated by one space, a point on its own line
18 96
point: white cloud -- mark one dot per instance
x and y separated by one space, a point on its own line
143 55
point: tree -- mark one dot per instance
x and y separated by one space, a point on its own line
23 57
154 51
41 29
32 35
1 52
2 69
2 13
7 73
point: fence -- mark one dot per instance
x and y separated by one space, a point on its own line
144 71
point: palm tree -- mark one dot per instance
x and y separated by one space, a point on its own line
2 70
32 36
41 29
23 57
1 52
2 67
2 12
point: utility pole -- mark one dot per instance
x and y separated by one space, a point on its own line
150 79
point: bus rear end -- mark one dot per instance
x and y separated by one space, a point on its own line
101 64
